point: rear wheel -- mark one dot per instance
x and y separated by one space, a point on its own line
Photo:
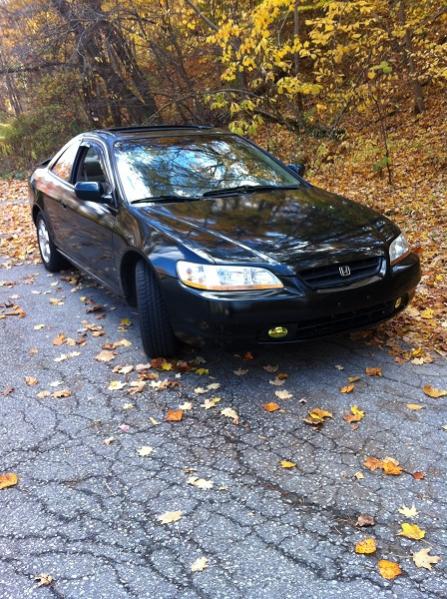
156 331
51 258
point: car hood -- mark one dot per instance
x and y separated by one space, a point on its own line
305 226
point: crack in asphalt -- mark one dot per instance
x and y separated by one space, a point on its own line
86 512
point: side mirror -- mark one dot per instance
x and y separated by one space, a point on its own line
297 169
89 191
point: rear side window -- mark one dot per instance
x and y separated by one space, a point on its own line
64 164
91 168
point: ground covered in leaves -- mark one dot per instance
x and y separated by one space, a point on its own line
319 468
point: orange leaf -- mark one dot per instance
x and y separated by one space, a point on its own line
355 416
174 415
388 570
372 463
391 467
373 371
8 479
418 475
271 406
348 388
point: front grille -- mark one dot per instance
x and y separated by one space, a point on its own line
326 277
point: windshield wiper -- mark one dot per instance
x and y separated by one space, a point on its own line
165 198
247 189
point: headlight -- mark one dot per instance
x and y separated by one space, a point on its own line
398 249
215 277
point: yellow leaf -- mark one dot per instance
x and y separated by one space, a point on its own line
31 381
355 416
389 570
8 479
199 565
422 559
105 356
287 464
415 406
391 467
211 402
433 392
412 531
170 517
271 406
367 546
202 371
317 416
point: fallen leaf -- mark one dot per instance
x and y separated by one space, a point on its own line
105 356
61 393
434 392
128 406
373 371
211 402
200 564
7 391
116 386
200 483
365 520
317 416
169 517
123 369
213 386
271 406
59 339
248 356
109 440
283 394
414 406
174 415
389 570
153 421
185 406
43 580
8 479
366 546
355 416
418 475
43 394
391 466
411 531
31 381
339 367
353 379
422 559
359 475
277 381
144 451
347 388
271 368
202 371
240 372
372 463
408 512
230 413
287 464
38 327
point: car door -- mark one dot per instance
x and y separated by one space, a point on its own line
90 225
57 191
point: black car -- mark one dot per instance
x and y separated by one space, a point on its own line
213 237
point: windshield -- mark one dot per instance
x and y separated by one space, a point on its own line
189 166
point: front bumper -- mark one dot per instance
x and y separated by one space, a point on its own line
306 313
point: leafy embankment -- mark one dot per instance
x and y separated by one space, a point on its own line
416 200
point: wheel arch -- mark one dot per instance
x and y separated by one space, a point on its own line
127 273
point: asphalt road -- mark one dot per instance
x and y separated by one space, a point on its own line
85 511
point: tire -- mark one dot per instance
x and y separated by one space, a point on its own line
156 331
51 258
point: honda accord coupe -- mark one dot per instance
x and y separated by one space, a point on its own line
212 237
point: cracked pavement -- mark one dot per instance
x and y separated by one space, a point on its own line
86 512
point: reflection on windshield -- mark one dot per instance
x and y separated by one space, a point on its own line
190 166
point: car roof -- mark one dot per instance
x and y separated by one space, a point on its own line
144 131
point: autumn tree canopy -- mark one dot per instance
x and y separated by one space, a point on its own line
66 65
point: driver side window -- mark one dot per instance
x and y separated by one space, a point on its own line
90 168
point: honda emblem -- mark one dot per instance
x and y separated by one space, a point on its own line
344 271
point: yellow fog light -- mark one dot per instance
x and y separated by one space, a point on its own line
398 303
278 332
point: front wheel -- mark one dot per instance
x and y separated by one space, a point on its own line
156 331
51 258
